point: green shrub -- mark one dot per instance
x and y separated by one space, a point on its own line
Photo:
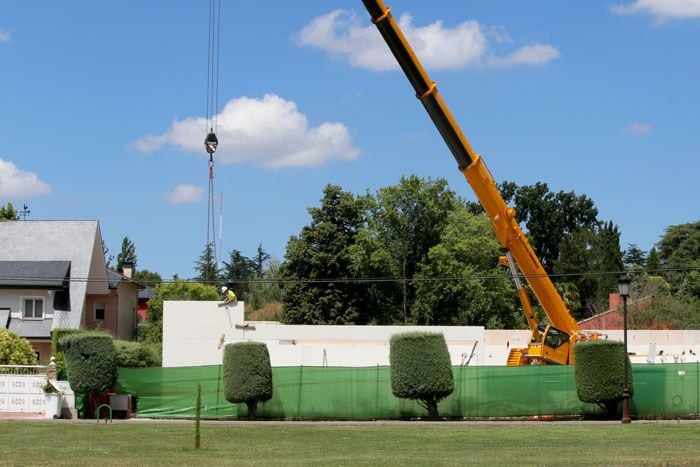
421 368
599 373
247 374
91 362
57 349
15 350
137 354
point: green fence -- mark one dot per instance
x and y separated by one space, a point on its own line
365 393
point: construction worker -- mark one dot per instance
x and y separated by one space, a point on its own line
228 295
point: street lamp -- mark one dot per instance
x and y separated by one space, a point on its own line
624 287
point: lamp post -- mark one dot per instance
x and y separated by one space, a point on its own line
624 287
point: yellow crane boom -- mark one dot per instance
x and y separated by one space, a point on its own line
555 344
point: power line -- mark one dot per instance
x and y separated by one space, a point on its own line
483 277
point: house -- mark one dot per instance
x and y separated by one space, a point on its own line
144 296
53 275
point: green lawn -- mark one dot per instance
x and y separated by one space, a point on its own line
36 442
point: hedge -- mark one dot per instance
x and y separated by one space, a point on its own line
599 373
421 368
91 362
137 354
247 374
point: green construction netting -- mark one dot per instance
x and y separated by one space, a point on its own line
365 393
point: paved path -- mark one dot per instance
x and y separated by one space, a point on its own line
41 417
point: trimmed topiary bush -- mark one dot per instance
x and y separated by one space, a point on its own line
599 373
421 369
91 362
15 350
57 350
247 374
137 354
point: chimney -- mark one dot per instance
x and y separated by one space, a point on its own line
127 269
614 301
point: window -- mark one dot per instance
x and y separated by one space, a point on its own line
33 308
555 338
99 311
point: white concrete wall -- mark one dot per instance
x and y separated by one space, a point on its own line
192 332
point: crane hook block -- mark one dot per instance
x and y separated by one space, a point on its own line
211 142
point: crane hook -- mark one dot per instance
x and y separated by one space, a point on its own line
211 142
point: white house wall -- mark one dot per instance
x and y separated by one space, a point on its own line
12 299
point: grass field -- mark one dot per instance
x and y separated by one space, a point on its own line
55 443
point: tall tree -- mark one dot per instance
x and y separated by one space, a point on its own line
591 259
549 217
321 254
653 261
408 220
266 290
460 282
679 251
238 272
261 258
127 254
8 213
206 267
108 257
634 256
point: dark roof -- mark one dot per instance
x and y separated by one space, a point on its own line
34 274
40 328
146 294
115 278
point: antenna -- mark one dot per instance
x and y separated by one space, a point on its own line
221 230
25 212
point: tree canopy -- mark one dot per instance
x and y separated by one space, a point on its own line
147 277
15 350
549 217
8 213
321 254
679 252
127 254
591 259
374 259
483 295
206 267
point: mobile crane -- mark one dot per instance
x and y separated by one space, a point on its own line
554 344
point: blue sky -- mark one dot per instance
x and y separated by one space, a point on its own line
102 108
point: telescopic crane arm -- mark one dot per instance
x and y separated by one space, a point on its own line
472 166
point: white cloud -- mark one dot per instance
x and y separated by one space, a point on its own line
343 34
4 36
537 54
16 183
268 132
637 128
185 194
661 10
